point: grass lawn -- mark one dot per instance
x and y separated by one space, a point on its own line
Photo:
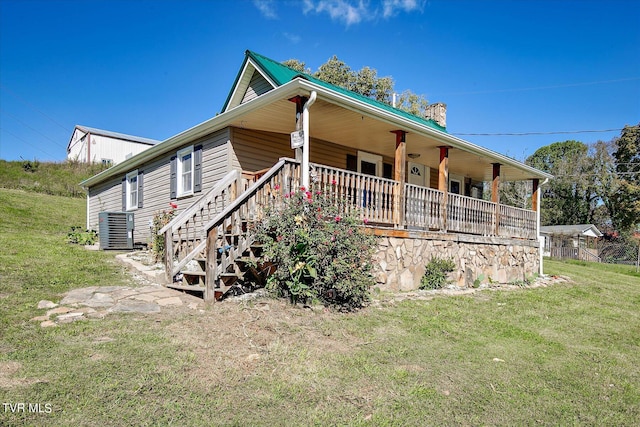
567 354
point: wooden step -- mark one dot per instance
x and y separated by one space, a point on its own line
194 273
192 288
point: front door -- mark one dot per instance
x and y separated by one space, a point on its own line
417 174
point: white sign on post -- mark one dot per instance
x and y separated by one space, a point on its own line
297 139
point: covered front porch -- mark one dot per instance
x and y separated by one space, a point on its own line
395 170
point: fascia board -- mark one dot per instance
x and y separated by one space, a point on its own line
238 86
214 124
408 125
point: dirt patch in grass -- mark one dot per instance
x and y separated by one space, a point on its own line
9 377
242 337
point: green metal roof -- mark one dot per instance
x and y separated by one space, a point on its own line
281 74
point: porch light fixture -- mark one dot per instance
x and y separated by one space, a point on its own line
413 155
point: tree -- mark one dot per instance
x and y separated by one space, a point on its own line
570 197
297 65
606 183
364 82
336 72
627 194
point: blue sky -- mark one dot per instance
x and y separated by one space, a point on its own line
154 68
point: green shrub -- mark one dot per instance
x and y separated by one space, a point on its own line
160 219
435 275
319 254
80 236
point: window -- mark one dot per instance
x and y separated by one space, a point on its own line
455 186
369 164
132 196
185 172
107 162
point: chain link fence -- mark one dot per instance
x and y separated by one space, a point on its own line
619 253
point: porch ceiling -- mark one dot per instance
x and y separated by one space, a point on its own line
350 127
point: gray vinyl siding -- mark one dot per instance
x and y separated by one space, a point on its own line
108 196
257 86
105 197
256 150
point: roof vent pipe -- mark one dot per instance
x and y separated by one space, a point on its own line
305 133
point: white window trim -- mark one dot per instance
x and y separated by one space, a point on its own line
370 158
460 180
179 166
131 175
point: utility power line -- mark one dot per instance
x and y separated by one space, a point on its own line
28 143
538 133
34 108
32 128
523 89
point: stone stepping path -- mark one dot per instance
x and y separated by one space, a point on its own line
96 302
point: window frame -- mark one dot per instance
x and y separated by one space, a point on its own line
180 191
129 192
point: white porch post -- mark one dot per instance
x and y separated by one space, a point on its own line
535 206
305 146
495 195
443 184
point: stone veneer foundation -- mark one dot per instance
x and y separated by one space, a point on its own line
402 256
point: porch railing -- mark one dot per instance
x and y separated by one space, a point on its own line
517 222
423 207
369 197
469 215
574 253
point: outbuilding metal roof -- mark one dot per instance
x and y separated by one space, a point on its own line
117 135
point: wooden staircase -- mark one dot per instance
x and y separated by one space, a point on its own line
210 247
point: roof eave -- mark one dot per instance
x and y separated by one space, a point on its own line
212 125
406 124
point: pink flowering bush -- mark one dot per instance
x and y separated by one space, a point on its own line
320 253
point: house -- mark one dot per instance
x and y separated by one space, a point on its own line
417 187
571 241
91 145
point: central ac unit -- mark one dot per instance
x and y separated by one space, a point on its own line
116 230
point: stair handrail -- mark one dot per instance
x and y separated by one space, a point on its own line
213 270
221 216
217 220
185 215
232 178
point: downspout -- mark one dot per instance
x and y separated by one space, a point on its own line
305 132
540 244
